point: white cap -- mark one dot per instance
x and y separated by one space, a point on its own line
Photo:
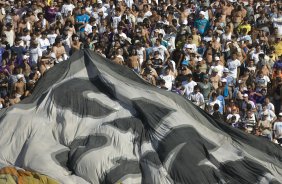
202 13
245 95
200 59
217 58
223 80
188 46
20 76
225 70
99 1
280 114
215 70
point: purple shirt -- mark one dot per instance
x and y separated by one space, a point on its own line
50 14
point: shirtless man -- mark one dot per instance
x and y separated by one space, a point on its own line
24 24
75 46
118 58
133 61
227 8
14 99
58 50
19 87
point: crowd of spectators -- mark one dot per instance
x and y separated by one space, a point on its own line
223 55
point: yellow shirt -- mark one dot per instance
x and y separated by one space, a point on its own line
196 40
278 48
247 26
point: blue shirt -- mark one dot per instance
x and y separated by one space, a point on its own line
202 25
82 18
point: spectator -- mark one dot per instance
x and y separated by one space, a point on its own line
197 97
277 129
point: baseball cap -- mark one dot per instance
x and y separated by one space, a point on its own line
185 62
280 114
202 13
223 80
245 95
217 58
215 70
225 70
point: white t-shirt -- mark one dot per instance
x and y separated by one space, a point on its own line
66 8
162 49
232 66
52 38
255 56
88 28
197 98
43 43
140 54
168 81
147 14
271 115
263 81
189 87
277 128
10 37
27 39
116 21
277 22
229 116
219 69
34 53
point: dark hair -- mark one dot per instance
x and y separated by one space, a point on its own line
216 107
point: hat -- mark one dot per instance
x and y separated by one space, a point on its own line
280 114
202 13
200 59
225 70
217 58
128 39
99 2
245 95
188 46
20 76
247 38
185 62
223 80
215 70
